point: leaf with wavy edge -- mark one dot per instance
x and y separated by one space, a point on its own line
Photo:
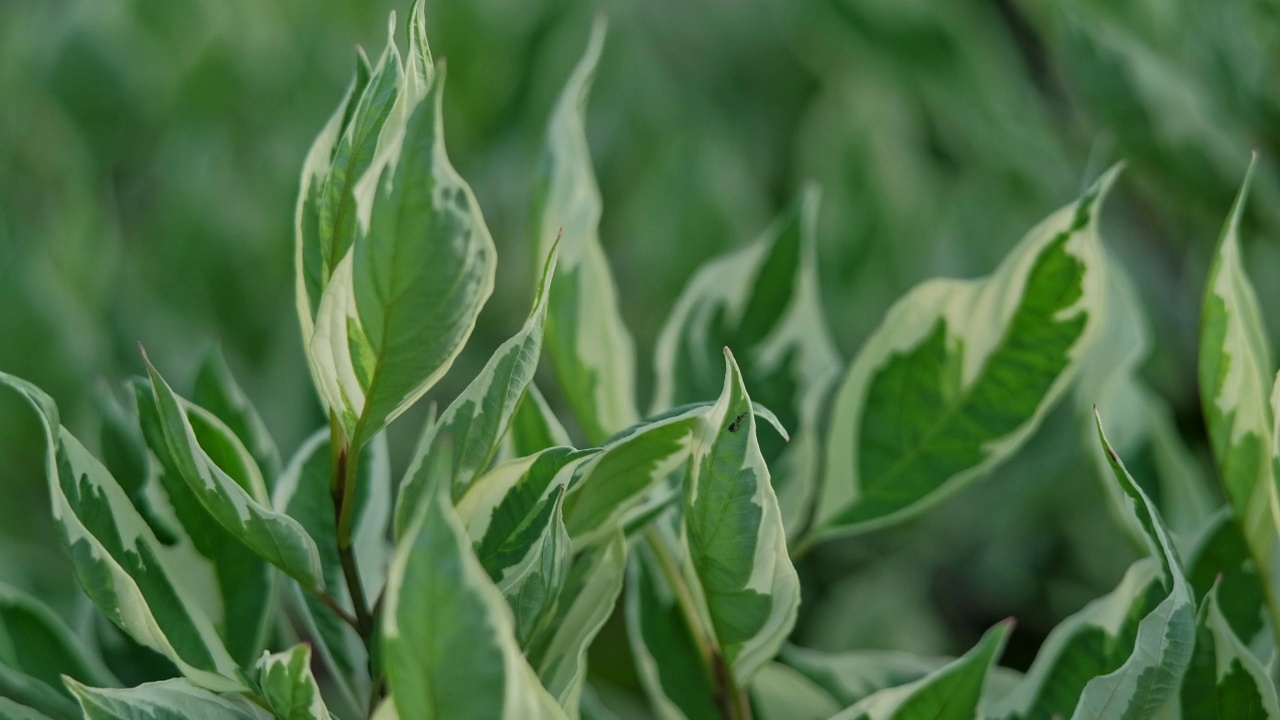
289 687
165 700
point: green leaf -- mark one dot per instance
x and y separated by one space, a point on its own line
780 693
288 686
242 510
634 463
534 427
478 418
1123 655
850 677
37 649
961 372
1225 680
216 391
949 693
241 607
119 562
763 301
1235 380
1220 561
460 660
559 653
167 700
736 546
303 493
13 711
590 347
403 301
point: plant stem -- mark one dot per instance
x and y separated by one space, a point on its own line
729 697
346 461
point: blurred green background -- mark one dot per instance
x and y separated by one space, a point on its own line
150 153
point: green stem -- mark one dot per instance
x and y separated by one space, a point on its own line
346 461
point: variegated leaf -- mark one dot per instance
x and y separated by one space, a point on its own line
735 547
1235 381
763 301
210 462
961 372
949 693
1123 655
590 347
167 700
286 683
461 660
1219 560
1225 680
559 652
119 562
779 692
217 391
534 427
404 299
303 493
850 677
478 418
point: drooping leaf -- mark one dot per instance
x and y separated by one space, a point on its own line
1235 380
167 700
210 464
1123 655
949 693
119 562
240 607
559 652
460 660
590 347
1225 680
402 302
478 418
288 686
961 372
763 301
735 545
217 391
303 493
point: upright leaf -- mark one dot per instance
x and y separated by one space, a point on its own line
167 700
1235 380
1225 680
478 418
735 545
534 427
402 302
559 652
119 562
460 660
1124 655
961 372
216 391
762 300
590 347
949 693
277 538
288 685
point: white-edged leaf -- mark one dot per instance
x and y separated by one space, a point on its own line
779 692
590 347
303 493
1235 382
762 300
243 511
288 686
1123 655
951 692
850 677
166 700
460 660
1225 680
217 391
119 562
533 428
961 372
559 653
478 418
735 547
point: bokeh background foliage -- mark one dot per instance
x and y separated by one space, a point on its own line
149 159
